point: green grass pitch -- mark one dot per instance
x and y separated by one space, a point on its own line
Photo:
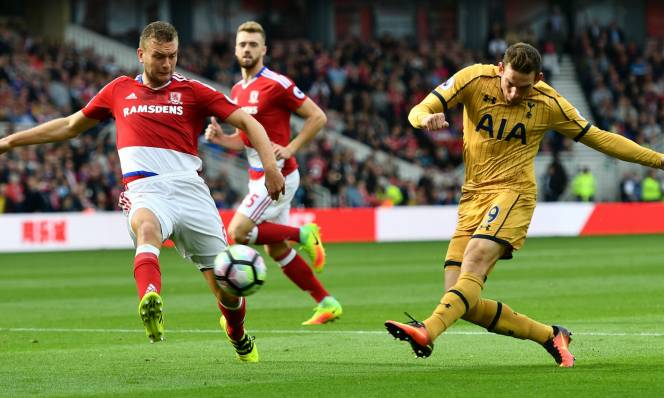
68 326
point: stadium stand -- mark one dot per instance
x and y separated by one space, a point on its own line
365 87
625 86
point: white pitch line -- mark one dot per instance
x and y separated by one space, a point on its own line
297 331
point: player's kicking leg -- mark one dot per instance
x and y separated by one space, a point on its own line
245 347
233 311
499 318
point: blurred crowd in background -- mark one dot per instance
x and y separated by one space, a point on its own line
624 81
366 88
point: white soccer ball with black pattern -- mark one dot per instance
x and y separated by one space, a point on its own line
240 270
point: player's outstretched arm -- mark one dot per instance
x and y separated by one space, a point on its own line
622 148
55 130
314 121
428 114
215 134
274 180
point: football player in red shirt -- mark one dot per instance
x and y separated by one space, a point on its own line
271 98
159 115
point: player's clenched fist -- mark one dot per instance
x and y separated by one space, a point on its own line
213 130
435 121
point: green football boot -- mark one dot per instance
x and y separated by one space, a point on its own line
150 309
326 311
312 244
245 349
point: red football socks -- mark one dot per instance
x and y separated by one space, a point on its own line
274 233
234 319
147 273
298 271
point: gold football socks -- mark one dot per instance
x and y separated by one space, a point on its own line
455 303
499 318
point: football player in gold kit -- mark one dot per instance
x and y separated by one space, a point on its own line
507 111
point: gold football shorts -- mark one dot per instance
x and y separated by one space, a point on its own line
503 217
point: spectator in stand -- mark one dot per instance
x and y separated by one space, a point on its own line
550 64
496 43
353 193
224 196
630 188
393 195
554 181
304 196
5 203
651 131
584 186
449 196
651 187
556 29
601 93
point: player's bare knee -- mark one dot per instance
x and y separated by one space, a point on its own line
148 231
478 268
483 250
478 261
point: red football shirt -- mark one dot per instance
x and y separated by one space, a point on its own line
158 129
270 98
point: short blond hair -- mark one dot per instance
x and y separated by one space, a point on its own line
162 32
252 27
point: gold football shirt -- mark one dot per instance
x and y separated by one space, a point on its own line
502 140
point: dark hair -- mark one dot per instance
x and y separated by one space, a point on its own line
162 32
523 57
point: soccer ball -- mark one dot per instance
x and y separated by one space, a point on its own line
240 270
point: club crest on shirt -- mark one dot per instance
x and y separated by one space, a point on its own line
253 96
175 98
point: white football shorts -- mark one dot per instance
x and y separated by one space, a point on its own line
258 205
186 212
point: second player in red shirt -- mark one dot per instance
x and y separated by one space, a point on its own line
271 98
